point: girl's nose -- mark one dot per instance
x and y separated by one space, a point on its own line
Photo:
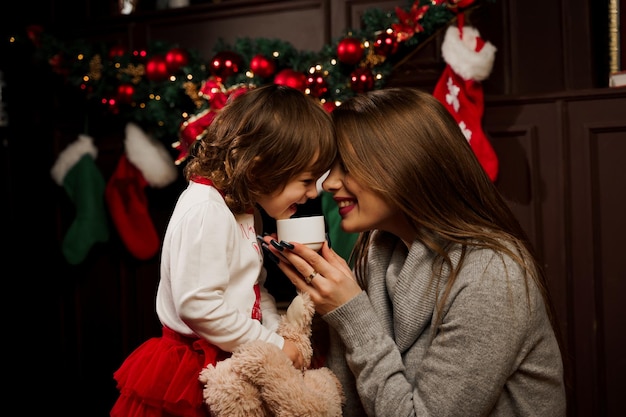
332 181
312 192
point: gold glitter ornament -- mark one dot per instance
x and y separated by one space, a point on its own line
136 72
95 68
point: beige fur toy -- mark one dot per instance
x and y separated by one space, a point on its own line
259 380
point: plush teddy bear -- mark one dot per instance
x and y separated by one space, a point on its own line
259 380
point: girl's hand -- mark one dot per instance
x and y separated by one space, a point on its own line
294 354
327 278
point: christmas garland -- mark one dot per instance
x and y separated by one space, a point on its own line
174 93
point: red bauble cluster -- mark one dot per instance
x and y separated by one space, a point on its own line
156 68
262 66
125 93
117 51
350 51
58 64
176 58
34 34
140 55
361 80
316 83
329 106
386 44
291 78
224 64
111 104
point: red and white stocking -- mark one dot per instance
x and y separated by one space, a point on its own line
145 162
469 60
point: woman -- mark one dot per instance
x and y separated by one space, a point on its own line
447 311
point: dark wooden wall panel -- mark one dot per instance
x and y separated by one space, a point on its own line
526 17
561 170
303 23
598 148
422 68
577 17
610 225
346 14
518 166
531 179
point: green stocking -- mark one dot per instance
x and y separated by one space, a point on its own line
84 184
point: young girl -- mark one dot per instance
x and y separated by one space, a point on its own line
265 149
448 312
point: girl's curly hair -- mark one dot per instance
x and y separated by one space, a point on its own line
261 140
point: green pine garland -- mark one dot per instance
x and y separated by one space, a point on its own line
162 106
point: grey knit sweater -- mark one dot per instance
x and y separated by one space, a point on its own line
495 353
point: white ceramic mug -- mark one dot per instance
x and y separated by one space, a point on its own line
310 231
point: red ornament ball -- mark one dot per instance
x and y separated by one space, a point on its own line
125 93
156 68
316 83
350 51
176 58
224 64
262 66
34 34
117 51
386 44
58 64
329 106
140 55
361 80
112 105
291 78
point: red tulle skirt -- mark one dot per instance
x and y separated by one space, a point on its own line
160 378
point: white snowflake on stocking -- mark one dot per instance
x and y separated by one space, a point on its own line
453 94
466 132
